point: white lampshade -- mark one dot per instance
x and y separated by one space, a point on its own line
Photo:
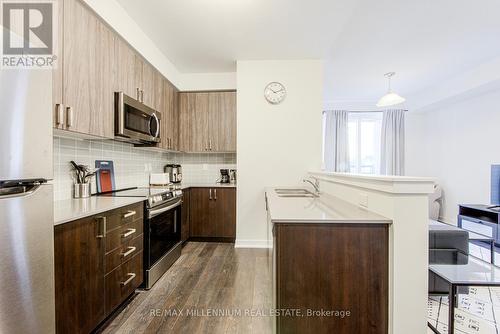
390 99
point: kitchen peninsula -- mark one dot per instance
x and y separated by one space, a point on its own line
338 251
341 252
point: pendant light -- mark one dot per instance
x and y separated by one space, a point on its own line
391 98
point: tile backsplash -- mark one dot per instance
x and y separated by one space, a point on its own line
132 165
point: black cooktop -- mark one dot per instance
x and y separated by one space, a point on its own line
145 192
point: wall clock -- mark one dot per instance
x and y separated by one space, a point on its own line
275 93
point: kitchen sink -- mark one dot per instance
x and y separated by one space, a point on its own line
288 192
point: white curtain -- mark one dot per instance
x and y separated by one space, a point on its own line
393 143
336 154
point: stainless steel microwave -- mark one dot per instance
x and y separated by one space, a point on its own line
135 122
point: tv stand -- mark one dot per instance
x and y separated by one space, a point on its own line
484 222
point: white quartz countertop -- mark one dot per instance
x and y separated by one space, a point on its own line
73 209
322 209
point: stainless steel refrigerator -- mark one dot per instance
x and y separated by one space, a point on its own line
26 202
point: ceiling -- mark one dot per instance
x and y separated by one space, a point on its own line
423 41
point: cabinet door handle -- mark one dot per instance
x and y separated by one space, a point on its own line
130 279
130 251
138 92
129 232
210 144
210 192
142 96
102 227
59 114
215 193
129 214
69 117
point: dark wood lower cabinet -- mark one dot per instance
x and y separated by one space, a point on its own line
213 213
339 268
185 217
98 264
122 282
79 276
224 214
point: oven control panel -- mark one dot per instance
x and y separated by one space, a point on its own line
164 197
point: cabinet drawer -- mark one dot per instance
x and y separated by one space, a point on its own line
123 281
124 216
124 253
124 233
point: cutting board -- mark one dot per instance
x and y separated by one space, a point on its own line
105 176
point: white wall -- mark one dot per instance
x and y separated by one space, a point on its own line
277 144
457 143
119 20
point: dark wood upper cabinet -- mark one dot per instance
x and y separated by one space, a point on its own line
207 121
224 129
79 275
126 76
144 78
169 114
86 103
213 213
175 119
95 62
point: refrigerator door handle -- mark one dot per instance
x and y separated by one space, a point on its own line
18 191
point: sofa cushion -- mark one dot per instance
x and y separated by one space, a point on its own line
445 236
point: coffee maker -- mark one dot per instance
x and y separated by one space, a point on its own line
174 172
224 176
232 175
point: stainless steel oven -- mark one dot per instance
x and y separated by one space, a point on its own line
162 239
135 122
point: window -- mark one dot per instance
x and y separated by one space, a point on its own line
364 131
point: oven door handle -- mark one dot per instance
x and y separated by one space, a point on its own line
154 213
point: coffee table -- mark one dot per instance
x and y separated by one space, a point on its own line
458 269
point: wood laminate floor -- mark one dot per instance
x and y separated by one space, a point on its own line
208 277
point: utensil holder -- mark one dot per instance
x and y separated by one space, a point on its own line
82 190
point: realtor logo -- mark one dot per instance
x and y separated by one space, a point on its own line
28 34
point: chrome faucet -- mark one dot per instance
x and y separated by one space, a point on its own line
315 184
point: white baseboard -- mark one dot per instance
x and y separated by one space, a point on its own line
251 244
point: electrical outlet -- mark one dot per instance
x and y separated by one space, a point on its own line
363 200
